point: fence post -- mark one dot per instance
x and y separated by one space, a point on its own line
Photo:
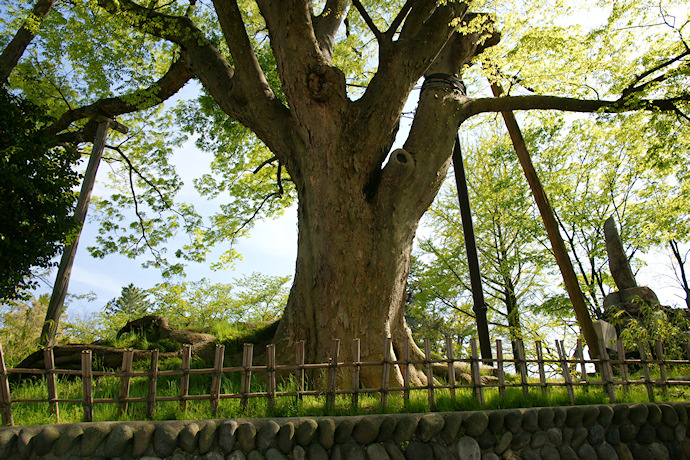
501 372
522 365
451 366
565 368
153 385
583 365
332 376
245 385
299 357
645 368
87 387
271 375
429 374
620 346
476 374
540 365
662 367
217 377
606 370
385 372
406 374
5 398
49 359
356 359
123 394
184 379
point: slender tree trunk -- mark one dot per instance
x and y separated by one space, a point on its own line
16 47
681 267
513 315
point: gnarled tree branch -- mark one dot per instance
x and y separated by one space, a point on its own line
174 79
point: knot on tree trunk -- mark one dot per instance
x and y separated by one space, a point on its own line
323 80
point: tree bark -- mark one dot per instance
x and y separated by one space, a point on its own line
16 47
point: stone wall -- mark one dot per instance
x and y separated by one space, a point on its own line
604 432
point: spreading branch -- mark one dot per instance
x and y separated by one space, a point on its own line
380 37
473 107
174 79
327 24
260 110
399 18
632 88
249 74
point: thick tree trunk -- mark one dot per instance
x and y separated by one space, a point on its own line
350 278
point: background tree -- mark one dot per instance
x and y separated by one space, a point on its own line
514 263
132 303
359 203
36 182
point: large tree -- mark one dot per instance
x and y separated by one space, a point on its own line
359 203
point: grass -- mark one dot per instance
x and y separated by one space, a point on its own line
290 406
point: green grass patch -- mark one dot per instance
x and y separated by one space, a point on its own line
290 406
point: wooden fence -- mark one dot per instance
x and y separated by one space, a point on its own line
529 373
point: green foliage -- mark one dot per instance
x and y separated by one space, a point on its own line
669 326
226 310
36 183
20 327
201 305
132 303
513 261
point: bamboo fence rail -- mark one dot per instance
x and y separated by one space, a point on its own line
529 373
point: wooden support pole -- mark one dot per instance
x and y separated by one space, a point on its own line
153 385
663 376
51 380
606 371
57 299
583 365
217 377
479 305
476 374
184 379
521 366
560 252
5 398
87 385
125 381
429 374
500 371
385 372
620 346
567 378
332 376
246 383
451 366
356 359
645 368
271 376
299 357
540 364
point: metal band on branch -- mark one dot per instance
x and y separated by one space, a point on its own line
444 81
